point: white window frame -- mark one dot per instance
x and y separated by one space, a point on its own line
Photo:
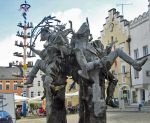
39 93
136 74
145 50
2 86
32 93
6 86
16 86
136 54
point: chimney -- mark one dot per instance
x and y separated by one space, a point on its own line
10 64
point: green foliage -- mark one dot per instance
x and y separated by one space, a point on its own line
35 105
32 105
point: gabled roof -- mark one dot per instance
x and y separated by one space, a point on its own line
7 73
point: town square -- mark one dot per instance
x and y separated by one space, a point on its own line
77 61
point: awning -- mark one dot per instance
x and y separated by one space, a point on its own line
20 98
36 99
72 94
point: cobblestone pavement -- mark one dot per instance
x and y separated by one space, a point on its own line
112 117
128 117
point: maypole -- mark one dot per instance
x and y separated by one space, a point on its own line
25 35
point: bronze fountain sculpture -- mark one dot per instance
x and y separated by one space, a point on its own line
85 60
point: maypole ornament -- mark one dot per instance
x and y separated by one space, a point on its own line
25 7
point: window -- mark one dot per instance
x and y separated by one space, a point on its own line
136 54
15 86
39 93
38 83
32 94
147 73
145 50
122 45
1 86
123 69
7 86
136 74
112 38
24 93
123 79
111 27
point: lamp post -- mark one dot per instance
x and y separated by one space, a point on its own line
25 34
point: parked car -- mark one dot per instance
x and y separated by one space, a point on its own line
5 117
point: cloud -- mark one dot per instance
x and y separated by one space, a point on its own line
74 14
134 9
77 16
7 48
96 18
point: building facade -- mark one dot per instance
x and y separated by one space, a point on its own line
37 89
8 80
140 48
116 29
73 98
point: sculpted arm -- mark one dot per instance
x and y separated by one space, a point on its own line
109 47
35 51
39 52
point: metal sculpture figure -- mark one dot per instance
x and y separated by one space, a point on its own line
53 64
109 76
88 63
96 68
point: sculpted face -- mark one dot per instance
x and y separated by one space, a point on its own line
44 35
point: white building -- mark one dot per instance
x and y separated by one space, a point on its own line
37 89
140 48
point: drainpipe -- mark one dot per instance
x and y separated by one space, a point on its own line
129 47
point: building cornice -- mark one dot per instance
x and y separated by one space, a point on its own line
139 20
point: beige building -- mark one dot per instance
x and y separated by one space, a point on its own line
72 96
116 28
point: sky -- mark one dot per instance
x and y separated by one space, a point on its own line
65 10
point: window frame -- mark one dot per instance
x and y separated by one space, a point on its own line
136 53
32 93
8 86
1 86
39 93
39 83
136 74
145 50
16 86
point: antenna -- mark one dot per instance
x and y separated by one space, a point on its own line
122 6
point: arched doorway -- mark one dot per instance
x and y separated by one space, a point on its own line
124 94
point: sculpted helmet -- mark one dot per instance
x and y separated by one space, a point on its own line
84 30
